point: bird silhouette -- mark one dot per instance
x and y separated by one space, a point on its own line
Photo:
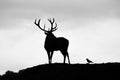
88 61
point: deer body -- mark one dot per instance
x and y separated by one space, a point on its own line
53 43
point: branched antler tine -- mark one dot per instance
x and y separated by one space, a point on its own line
53 20
50 20
38 24
51 23
35 21
39 21
55 28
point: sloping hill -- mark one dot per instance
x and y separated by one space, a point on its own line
66 71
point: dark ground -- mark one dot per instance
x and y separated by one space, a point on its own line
58 71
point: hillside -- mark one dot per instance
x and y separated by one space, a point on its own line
66 71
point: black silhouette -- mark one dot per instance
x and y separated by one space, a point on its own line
53 43
88 61
104 71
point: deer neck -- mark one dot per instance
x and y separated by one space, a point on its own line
50 37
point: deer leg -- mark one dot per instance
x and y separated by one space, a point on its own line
48 53
51 56
64 55
68 58
64 58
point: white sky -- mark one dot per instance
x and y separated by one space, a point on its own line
92 27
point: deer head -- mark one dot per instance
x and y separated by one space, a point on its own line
49 31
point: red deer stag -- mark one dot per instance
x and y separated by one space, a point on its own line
53 43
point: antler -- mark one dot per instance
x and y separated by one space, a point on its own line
52 21
38 24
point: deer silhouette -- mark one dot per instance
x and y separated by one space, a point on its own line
53 43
